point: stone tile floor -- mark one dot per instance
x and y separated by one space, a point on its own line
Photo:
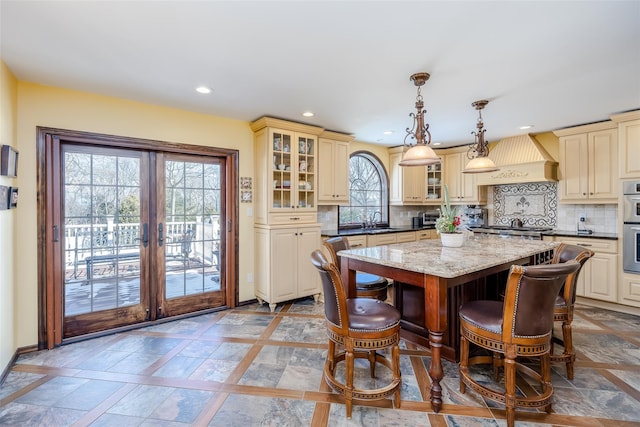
249 367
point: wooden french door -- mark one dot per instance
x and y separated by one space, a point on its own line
133 235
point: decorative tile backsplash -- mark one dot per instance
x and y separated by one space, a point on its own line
536 204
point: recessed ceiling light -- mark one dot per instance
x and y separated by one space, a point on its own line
525 127
308 114
388 132
203 89
436 143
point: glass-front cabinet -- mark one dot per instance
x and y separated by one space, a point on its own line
293 171
434 183
286 171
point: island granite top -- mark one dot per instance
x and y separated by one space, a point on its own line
430 257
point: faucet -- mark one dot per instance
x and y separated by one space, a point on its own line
371 221
373 218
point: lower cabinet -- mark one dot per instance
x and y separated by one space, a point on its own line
599 277
630 294
283 266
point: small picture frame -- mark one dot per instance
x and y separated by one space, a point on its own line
8 161
246 196
13 197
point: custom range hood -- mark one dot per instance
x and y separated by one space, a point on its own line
520 159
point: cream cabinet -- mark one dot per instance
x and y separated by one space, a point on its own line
381 239
630 293
462 187
406 237
333 168
408 184
588 164
426 234
283 267
599 277
285 171
628 143
358 241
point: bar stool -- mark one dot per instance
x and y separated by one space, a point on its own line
360 326
367 285
563 310
521 326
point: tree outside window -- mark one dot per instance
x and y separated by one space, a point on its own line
368 193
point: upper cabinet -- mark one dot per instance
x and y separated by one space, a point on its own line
462 187
285 171
628 143
589 163
333 167
413 185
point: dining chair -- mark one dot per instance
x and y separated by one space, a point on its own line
361 327
367 285
519 326
563 309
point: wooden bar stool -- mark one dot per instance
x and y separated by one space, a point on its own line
522 325
563 310
367 285
361 327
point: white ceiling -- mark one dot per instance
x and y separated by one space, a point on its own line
549 64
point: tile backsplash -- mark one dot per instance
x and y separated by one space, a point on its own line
536 204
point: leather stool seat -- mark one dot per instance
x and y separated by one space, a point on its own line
361 327
563 309
367 285
521 326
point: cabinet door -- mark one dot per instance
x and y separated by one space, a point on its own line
283 172
629 164
603 164
413 184
434 183
304 177
307 240
601 277
333 166
284 249
630 290
574 167
395 177
359 241
453 175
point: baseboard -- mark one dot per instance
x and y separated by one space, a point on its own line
609 305
14 358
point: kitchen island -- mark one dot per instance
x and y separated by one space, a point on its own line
430 282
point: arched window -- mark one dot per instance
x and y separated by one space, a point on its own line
368 192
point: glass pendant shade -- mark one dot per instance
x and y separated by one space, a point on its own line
419 155
479 165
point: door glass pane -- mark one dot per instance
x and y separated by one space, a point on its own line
101 232
192 224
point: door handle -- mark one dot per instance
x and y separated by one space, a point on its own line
145 235
160 234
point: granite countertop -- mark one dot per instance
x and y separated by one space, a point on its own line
355 231
429 257
573 233
368 231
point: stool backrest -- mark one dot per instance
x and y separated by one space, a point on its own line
335 300
530 298
563 253
335 245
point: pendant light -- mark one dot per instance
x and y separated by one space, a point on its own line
479 151
418 153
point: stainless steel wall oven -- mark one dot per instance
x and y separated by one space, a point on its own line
631 227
